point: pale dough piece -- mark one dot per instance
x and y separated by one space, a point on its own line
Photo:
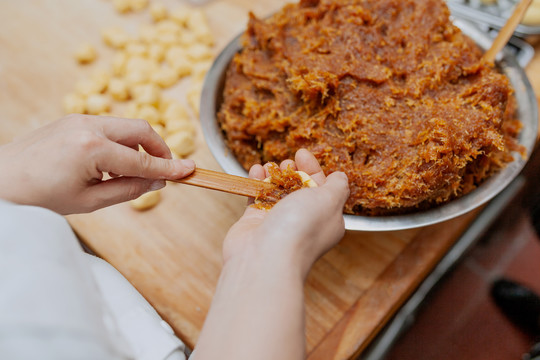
194 97
118 63
86 53
87 87
97 104
118 89
149 113
158 12
179 125
138 5
307 180
146 201
182 143
174 112
165 77
74 104
122 6
136 48
148 94
131 110
115 37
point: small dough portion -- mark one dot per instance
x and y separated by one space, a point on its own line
285 181
307 180
146 201
172 51
86 53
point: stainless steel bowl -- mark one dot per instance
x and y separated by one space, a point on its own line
528 112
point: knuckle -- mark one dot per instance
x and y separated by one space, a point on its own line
133 191
79 120
72 118
88 141
144 163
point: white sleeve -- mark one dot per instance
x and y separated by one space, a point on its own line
49 305
147 335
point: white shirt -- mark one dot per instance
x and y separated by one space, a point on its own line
56 302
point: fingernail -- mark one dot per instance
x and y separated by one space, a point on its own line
156 185
187 164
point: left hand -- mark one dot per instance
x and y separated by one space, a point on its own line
61 166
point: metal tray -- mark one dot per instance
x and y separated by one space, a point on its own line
211 99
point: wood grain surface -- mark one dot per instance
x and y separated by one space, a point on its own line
232 184
172 253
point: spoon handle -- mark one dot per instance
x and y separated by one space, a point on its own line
506 31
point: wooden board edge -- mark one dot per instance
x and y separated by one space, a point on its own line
352 334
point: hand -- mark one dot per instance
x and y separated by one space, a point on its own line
300 227
61 166
258 309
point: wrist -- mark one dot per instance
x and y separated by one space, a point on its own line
255 288
261 258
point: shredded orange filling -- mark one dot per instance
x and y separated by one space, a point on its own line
388 91
285 182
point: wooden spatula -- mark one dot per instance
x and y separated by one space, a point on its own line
232 184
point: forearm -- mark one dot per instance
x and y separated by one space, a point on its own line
257 312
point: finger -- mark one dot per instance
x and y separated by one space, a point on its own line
115 191
135 132
287 163
338 184
307 162
124 161
256 172
266 171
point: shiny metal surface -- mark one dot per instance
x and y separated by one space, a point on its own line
493 14
528 112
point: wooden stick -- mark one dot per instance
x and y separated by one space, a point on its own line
506 31
224 182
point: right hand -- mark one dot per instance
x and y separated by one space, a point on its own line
302 226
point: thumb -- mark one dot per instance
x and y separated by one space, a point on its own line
337 184
124 161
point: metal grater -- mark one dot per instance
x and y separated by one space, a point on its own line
490 18
493 15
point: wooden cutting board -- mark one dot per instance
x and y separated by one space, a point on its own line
172 253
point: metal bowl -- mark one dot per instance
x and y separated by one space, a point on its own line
212 97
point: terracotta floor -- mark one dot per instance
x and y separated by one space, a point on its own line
459 320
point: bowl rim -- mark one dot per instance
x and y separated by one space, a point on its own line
211 98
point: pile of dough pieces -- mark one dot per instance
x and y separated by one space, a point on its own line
175 45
